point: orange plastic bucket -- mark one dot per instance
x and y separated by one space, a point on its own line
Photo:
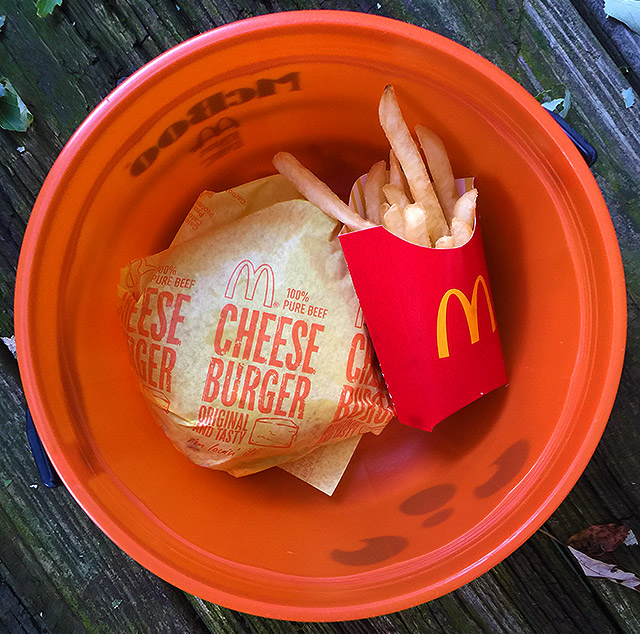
417 514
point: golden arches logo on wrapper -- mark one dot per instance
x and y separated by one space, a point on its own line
253 275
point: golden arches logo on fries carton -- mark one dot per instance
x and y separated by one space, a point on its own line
415 255
247 338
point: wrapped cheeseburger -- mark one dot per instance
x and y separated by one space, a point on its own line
247 336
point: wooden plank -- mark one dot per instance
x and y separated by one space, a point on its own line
72 570
608 490
620 42
58 572
62 67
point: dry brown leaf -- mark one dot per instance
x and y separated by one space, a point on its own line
599 539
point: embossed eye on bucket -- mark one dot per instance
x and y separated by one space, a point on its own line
417 514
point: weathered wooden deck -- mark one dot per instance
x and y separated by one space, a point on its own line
58 572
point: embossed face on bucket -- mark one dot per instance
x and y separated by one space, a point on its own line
416 514
434 507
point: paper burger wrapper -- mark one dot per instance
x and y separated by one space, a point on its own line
248 340
431 318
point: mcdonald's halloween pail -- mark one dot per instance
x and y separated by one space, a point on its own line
416 514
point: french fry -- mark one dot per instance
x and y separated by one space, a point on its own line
383 210
415 225
440 169
396 195
446 242
374 197
408 155
460 231
317 192
396 175
402 144
438 217
465 207
393 220
436 224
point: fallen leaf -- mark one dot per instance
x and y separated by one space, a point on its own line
14 114
553 104
2 21
631 539
628 96
565 102
45 7
599 539
10 342
601 570
626 11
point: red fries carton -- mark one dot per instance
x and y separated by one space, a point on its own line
431 319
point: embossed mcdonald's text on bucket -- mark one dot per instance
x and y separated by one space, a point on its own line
210 127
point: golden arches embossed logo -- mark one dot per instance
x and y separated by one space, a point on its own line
253 275
470 308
